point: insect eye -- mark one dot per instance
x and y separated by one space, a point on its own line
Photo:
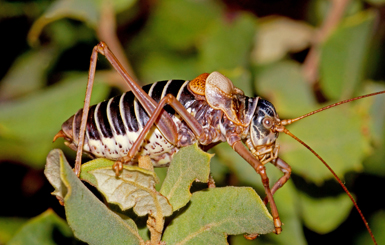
267 122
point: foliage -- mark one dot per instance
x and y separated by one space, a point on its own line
173 39
221 211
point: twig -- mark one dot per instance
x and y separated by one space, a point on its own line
310 66
106 32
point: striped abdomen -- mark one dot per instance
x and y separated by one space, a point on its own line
114 125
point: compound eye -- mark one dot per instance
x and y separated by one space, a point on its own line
267 122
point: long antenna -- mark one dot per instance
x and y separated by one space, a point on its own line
283 129
290 121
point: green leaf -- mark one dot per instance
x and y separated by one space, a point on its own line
189 164
289 209
284 85
237 165
227 44
343 62
179 24
374 163
217 212
9 226
44 229
335 134
26 74
192 38
286 198
86 168
84 10
90 219
324 215
161 65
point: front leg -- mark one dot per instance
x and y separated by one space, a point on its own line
260 169
285 169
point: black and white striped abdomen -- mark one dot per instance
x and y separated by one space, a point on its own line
114 125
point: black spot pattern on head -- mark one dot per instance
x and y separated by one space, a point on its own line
264 109
268 108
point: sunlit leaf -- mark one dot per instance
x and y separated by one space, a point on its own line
217 212
135 187
189 164
278 36
86 168
52 173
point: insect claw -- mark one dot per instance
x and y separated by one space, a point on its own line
251 237
117 167
278 230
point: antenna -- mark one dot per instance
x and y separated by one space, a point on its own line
281 128
290 121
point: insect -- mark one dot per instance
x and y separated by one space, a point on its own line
159 119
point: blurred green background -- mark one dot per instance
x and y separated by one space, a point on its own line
267 48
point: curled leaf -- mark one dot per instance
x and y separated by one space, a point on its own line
90 220
135 187
52 172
